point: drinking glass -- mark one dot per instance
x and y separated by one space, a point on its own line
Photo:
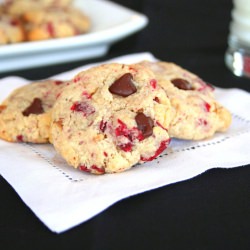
237 56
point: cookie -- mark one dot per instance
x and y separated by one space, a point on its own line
2 9
197 115
25 113
19 7
112 117
55 23
11 29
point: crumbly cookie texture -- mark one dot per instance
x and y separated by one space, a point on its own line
55 23
25 113
110 118
197 115
11 29
19 7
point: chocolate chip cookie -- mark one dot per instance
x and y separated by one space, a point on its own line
110 118
25 113
197 115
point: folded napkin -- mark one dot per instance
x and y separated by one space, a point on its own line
63 197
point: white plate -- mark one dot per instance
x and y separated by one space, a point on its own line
110 23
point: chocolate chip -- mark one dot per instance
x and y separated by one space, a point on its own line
123 86
182 84
145 124
34 108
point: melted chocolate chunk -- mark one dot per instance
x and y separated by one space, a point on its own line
145 124
123 86
34 108
182 84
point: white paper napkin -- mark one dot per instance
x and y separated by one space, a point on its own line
62 197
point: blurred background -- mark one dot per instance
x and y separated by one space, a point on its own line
191 33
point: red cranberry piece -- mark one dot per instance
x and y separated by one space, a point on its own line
84 168
130 134
161 148
182 84
126 147
86 94
102 126
98 169
207 107
202 122
83 107
57 82
145 124
153 83
204 85
93 167
123 86
160 125
50 29
77 79
19 138
34 108
121 129
139 134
